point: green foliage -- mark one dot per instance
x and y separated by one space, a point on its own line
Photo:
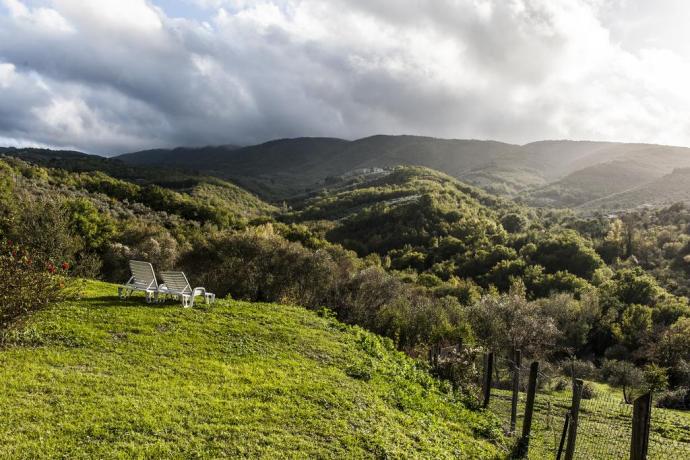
633 286
93 227
569 252
575 319
655 378
29 283
434 258
622 374
509 321
674 346
635 326
43 226
514 222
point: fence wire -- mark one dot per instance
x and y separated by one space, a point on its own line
669 434
604 428
604 421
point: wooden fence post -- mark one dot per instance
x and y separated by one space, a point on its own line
642 414
516 390
433 356
563 435
488 372
574 412
523 444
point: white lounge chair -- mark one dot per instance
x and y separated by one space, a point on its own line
177 285
143 279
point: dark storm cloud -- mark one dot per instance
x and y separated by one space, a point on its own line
116 76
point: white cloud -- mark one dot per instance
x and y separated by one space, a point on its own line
47 19
112 76
7 74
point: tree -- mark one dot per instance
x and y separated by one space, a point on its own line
634 286
634 327
655 378
508 321
569 252
622 374
573 318
514 222
674 345
93 226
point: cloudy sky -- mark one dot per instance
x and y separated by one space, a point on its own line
109 76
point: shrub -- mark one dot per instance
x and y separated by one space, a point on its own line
581 369
139 240
43 227
28 284
561 385
459 367
260 265
588 391
674 399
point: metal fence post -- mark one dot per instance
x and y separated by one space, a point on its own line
574 412
488 372
642 414
516 390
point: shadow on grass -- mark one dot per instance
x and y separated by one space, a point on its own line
113 301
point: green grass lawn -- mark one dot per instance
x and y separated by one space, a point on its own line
104 378
604 427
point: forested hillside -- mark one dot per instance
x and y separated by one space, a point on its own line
407 252
548 173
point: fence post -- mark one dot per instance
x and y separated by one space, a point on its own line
563 435
574 412
488 372
523 444
642 414
433 356
516 390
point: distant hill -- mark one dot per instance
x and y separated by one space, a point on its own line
201 198
608 170
666 190
282 168
557 173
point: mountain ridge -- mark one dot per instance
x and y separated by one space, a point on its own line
547 173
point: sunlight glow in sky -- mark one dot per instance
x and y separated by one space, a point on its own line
112 76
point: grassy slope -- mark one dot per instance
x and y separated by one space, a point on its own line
101 378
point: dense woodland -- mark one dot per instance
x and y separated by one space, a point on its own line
407 252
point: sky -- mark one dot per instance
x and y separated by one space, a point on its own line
109 77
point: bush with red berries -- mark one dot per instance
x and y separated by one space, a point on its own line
27 284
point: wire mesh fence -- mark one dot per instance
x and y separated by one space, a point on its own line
604 419
604 428
669 434
548 415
